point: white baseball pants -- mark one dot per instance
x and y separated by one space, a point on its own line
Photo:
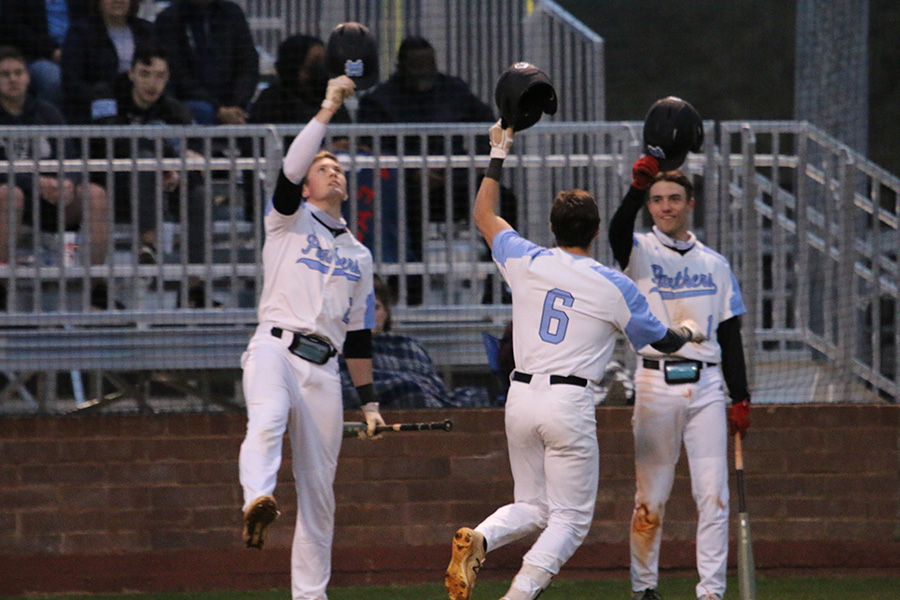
285 392
551 432
664 415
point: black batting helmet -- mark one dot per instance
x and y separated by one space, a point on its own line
352 51
672 128
522 94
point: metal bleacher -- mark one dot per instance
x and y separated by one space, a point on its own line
810 227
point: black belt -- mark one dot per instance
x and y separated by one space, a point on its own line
657 365
554 379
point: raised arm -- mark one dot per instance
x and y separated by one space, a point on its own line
621 226
484 213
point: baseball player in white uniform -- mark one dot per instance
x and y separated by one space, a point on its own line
567 308
681 398
317 297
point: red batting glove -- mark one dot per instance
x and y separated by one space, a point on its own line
644 170
739 418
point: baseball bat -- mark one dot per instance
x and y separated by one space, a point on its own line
352 428
746 568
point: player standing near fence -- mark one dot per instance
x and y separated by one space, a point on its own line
567 309
317 297
681 399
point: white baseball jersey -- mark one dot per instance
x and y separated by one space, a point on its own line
313 281
566 309
696 285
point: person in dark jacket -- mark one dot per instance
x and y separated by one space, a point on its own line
141 99
38 28
298 93
214 64
95 51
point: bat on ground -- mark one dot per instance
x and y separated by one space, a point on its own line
746 568
352 428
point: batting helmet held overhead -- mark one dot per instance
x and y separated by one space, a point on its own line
352 51
522 94
672 128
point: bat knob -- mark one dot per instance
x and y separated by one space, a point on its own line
448 425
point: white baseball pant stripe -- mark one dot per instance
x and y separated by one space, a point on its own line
282 390
552 437
664 415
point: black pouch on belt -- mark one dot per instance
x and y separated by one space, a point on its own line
687 371
311 348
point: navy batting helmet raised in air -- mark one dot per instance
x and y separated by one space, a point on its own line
352 51
522 94
672 128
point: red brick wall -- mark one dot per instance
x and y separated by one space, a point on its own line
152 502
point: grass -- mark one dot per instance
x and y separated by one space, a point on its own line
674 588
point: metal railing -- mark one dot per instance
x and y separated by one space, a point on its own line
810 227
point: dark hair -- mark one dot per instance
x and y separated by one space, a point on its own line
145 53
384 294
11 52
574 218
292 53
411 44
675 177
133 8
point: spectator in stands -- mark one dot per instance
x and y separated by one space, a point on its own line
141 99
298 93
214 64
96 50
404 374
38 28
79 204
418 93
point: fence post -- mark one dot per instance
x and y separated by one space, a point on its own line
751 271
846 315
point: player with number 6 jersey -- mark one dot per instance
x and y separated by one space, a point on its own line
567 310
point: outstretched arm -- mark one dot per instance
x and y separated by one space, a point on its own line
484 213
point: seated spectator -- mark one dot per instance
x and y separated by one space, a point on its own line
141 99
96 50
38 28
214 64
404 375
297 95
418 93
80 205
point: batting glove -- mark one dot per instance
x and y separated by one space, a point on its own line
644 171
691 330
739 418
501 140
373 420
338 89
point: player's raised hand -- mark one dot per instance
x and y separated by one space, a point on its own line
692 331
339 89
373 420
643 171
501 140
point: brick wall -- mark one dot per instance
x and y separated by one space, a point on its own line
152 502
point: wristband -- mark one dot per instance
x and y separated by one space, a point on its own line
366 394
493 170
328 104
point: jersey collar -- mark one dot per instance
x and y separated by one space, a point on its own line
677 245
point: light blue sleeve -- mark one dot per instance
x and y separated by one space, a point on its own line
509 244
642 327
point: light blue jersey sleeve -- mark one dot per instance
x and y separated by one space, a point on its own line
641 326
509 244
